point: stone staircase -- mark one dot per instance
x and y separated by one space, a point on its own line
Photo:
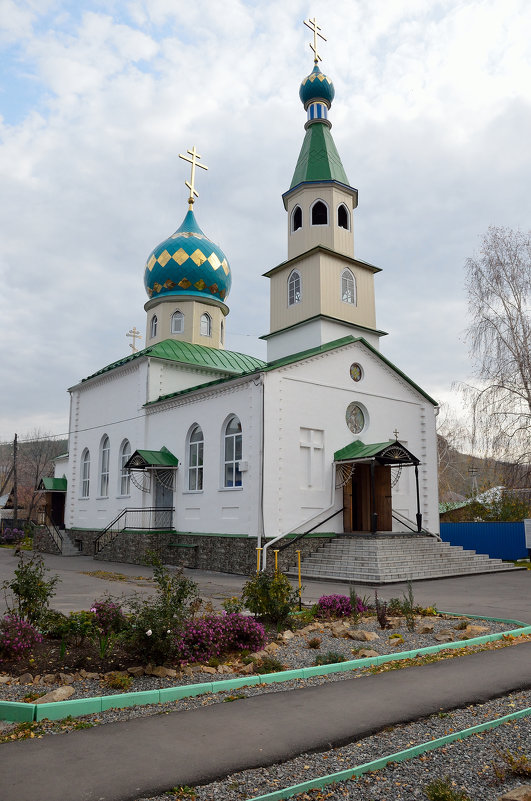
68 547
386 557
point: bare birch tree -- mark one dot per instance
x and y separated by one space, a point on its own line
498 284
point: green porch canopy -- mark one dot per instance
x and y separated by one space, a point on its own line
143 460
390 452
47 484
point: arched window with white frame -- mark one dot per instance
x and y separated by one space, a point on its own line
153 327
232 453
294 288
296 219
343 217
319 213
206 325
105 453
196 445
125 475
177 322
85 473
348 288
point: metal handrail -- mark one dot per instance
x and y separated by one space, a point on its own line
135 518
54 532
300 536
405 521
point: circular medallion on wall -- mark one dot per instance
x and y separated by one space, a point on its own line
355 418
356 373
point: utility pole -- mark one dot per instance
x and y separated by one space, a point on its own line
15 487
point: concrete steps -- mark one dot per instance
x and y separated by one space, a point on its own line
68 548
387 558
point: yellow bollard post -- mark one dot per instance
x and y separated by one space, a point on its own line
300 584
276 560
258 556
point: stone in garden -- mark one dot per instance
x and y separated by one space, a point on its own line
66 678
208 669
92 675
260 654
159 671
49 678
521 793
5 679
26 678
188 671
365 653
443 637
245 669
363 636
476 631
136 671
61 694
171 673
288 635
425 628
273 646
394 622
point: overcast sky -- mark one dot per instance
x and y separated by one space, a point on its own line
432 119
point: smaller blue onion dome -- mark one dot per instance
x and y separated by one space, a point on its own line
188 263
316 86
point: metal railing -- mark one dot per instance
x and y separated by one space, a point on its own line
158 518
54 532
411 526
300 536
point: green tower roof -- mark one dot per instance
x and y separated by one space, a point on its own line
318 159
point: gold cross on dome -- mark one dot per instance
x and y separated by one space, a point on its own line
191 183
396 433
313 26
135 335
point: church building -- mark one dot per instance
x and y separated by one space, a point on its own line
208 454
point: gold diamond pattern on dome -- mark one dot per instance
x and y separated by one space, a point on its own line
169 284
200 285
180 256
157 287
184 283
150 292
213 289
225 266
214 261
164 258
151 263
222 293
198 257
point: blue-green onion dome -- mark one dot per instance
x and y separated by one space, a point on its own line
188 263
316 86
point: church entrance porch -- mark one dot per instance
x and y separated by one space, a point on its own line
364 471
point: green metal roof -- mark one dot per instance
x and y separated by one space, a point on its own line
53 484
162 458
225 361
358 450
318 159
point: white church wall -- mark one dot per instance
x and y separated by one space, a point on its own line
166 377
107 405
310 415
214 509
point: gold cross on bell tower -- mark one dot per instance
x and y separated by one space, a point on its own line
313 26
135 335
191 183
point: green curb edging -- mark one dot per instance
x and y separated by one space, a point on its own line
12 710
382 762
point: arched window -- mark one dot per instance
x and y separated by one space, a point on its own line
153 327
296 218
232 451
125 475
319 213
195 459
294 288
206 325
348 287
221 332
85 473
177 322
343 217
105 452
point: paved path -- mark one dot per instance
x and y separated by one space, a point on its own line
146 756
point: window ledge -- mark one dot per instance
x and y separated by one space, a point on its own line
230 489
192 492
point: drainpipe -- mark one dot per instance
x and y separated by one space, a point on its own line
268 544
259 382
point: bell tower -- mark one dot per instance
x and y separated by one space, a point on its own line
321 292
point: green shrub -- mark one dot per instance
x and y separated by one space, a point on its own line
268 664
32 592
408 607
233 606
314 642
330 658
442 790
118 681
269 596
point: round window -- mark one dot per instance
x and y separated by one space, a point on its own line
356 373
355 418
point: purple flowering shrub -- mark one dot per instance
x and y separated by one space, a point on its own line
215 635
338 606
10 536
16 635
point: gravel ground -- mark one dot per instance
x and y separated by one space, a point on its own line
468 763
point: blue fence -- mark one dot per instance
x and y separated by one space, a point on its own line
499 540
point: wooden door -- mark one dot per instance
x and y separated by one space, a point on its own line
382 499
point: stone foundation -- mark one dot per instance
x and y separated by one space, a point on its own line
225 554
44 542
